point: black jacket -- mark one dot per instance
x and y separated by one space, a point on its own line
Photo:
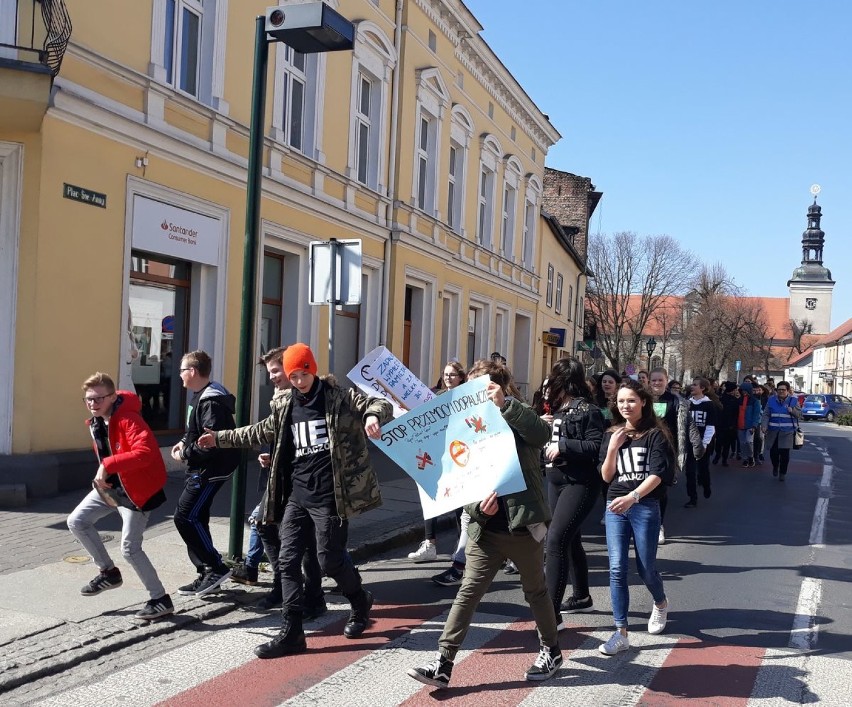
730 411
579 430
212 408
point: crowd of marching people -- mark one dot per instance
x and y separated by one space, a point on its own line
626 438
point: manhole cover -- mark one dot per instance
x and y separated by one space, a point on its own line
77 559
106 537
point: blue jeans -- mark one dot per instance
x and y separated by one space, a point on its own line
642 523
255 546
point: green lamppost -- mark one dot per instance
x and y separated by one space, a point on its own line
309 28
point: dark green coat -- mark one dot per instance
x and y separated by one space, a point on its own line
356 488
528 506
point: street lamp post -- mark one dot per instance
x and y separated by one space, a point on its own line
650 345
308 28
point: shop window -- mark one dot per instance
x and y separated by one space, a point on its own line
159 317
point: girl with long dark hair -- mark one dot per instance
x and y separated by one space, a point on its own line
636 460
572 482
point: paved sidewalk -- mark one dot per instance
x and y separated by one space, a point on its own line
46 626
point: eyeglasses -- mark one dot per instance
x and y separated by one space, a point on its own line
96 400
186 369
451 375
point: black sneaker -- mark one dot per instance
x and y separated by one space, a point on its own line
691 503
270 601
449 578
774 471
510 567
359 617
108 579
549 660
243 574
310 613
707 491
574 604
289 641
437 673
191 588
156 608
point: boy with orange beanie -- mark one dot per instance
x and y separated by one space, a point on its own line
320 477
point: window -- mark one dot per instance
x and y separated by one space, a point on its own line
570 301
559 293
531 210
364 160
453 192
182 50
490 155
549 297
159 318
373 62
425 164
461 131
188 40
433 41
294 114
432 99
507 244
486 192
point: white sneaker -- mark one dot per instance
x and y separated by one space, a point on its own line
657 622
661 540
427 552
616 644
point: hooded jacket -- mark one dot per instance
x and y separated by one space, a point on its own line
356 488
749 410
135 456
212 408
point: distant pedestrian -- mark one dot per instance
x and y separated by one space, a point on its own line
779 422
511 526
748 420
320 478
704 409
673 412
636 459
129 480
211 407
726 432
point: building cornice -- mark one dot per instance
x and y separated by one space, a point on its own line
460 26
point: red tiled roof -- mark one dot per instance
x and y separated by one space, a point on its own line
796 358
836 334
777 312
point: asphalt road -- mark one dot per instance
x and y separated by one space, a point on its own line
742 571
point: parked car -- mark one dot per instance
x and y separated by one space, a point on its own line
825 406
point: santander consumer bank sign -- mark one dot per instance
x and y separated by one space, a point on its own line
169 230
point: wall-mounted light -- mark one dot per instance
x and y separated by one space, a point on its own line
142 162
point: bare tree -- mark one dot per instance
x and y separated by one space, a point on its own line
720 324
632 276
799 328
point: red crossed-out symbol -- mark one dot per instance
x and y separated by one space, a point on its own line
423 459
476 423
447 492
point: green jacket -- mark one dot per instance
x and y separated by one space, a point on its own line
528 506
356 488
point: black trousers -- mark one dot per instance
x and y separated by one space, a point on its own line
570 505
726 443
697 470
330 532
270 536
192 519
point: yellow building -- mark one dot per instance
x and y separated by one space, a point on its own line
123 187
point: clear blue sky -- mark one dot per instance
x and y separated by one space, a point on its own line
706 120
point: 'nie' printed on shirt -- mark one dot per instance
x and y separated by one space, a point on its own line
310 437
699 417
633 464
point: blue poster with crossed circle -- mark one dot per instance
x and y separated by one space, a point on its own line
457 447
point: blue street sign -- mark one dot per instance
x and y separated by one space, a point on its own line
738 365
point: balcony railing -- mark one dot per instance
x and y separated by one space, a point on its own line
37 31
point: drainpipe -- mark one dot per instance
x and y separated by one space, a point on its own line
392 158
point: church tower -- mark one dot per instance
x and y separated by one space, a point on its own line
811 286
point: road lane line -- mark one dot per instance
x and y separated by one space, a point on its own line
805 628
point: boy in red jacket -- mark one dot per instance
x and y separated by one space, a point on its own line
130 480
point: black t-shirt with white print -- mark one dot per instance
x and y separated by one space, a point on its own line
648 455
313 479
704 414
